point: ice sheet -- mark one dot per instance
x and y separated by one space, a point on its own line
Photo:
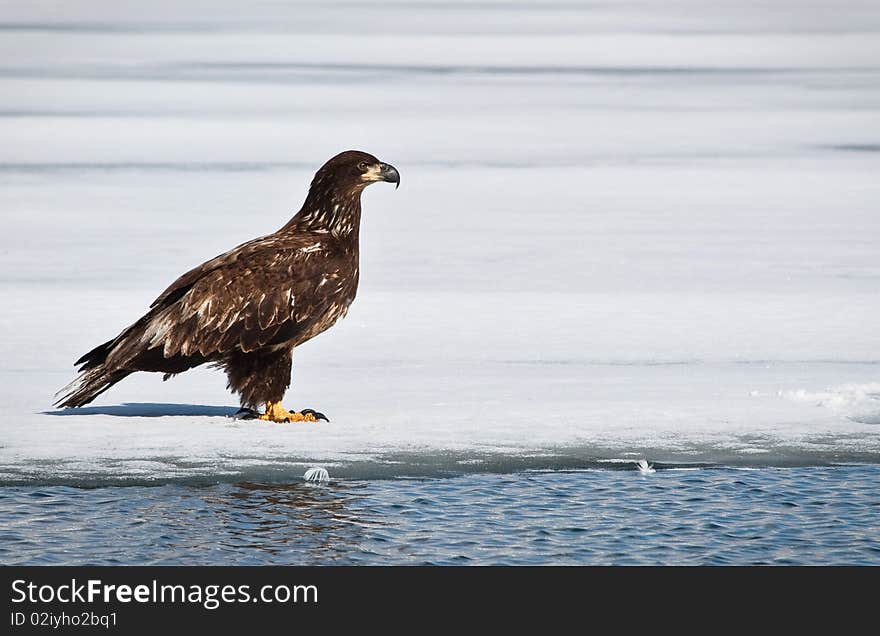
622 232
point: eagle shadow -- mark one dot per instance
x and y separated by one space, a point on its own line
149 409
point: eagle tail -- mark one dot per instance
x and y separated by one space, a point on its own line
88 385
96 375
96 356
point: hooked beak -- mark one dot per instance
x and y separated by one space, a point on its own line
389 173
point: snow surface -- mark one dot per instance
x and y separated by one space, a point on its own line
623 232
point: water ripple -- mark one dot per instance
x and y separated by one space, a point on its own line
810 515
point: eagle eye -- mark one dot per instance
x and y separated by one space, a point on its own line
362 165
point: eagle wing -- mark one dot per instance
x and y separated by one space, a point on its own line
262 293
228 259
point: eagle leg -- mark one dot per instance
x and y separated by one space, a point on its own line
277 413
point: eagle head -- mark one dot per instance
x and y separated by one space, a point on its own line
355 170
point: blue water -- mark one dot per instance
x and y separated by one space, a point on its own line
804 515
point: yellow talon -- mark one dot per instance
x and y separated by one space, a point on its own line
277 413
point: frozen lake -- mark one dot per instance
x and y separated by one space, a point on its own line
622 231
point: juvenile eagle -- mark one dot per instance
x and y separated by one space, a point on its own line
246 310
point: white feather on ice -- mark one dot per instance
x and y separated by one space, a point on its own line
317 474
